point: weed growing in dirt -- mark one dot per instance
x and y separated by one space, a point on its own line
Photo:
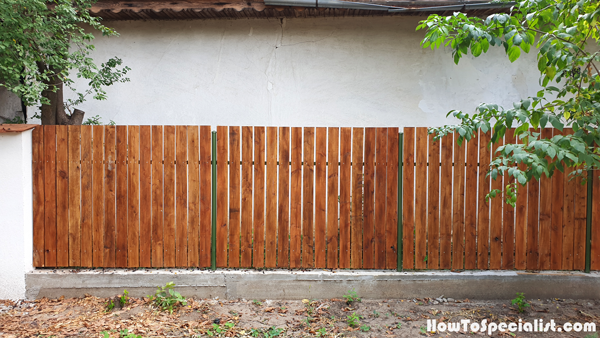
375 314
594 335
353 320
423 330
124 298
520 302
351 297
167 298
109 305
268 333
365 328
122 334
257 303
322 332
399 325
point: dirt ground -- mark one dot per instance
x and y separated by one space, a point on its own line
88 317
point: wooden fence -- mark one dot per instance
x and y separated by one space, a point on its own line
142 196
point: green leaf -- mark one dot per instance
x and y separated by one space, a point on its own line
514 53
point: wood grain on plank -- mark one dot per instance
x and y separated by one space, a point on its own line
193 183
533 195
579 221
296 198
344 224
181 219
98 196
205 236
445 201
110 173
546 214
391 218
62 196
369 200
271 202
357 198
458 208
320 197
169 257
568 215
421 198
222 195
471 203
496 216
283 208
157 197
133 197
556 235
259 198
521 224
408 199
483 209
86 196
433 205
332 197
145 196
234 197
74 195
380 196
508 230
37 154
246 228
308 198
595 253
121 192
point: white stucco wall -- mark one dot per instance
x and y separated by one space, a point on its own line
16 214
298 72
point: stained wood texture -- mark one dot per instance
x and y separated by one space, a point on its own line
169 258
110 173
421 199
98 196
545 216
246 224
222 195
332 197
408 202
508 229
471 203
133 197
320 197
62 197
283 207
205 237
308 198
271 199
37 141
181 195
595 254
568 216
483 205
369 199
458 205
344 204
521 224
157 197
74 134
234 197
556 235
296 198
122 205
433 204
496 216
145 196
533 195
445 202
193 184
259 198
86 196
391 216
357 198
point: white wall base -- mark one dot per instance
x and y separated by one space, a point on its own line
16 213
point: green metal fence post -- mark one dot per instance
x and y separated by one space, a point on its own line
213 237
588 232
400 248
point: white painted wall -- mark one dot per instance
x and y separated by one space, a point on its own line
16 213
298 72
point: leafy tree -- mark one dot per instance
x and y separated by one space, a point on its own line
43 44
565 36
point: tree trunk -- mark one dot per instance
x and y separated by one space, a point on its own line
54 113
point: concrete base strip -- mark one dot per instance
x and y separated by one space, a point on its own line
314 284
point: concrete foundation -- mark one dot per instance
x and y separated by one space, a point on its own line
314 284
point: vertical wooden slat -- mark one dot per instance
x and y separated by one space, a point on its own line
259 197
344 226
532 223
357 197
496 217
308 195
122 208
556 235
133 197
157 196
546 214
433 204
62 197
595 254
445 202
98 196
458 197
86 196
37 142
579 222
193 235
332 197
508 230
222 195
110 172
284 198
320 197
521 224
421 199
205 236
408 202
169 197
483 209
145 196
369 199
471 204
271 218
246 234
181 196
234 197
296 198
74 196
380 196
391 218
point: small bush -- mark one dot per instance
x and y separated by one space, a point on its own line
167 298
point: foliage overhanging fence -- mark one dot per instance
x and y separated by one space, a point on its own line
142 196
